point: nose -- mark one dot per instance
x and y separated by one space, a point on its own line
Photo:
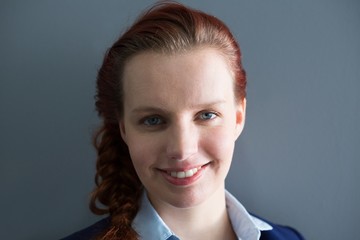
182 141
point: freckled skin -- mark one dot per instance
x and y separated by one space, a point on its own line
180 112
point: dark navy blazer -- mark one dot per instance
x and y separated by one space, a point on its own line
277 233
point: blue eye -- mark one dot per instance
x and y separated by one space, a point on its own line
208 115
151 121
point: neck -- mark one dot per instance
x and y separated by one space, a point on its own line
208 220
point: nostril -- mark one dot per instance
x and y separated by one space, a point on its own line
181 154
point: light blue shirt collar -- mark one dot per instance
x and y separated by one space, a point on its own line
245 225
149 225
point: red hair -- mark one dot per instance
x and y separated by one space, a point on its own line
167 28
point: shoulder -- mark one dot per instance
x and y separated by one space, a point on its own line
280 232
90 232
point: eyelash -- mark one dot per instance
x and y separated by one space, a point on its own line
146 120
157 121
214 115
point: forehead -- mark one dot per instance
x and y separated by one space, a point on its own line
188 76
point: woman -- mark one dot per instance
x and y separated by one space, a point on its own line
171 92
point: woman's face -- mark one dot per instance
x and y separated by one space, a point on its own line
180 123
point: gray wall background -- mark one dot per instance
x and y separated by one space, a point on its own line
297 162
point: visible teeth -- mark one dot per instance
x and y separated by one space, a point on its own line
184 174
180 174
189 173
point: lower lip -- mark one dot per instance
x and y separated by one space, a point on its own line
184 181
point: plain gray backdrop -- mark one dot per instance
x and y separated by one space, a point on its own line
296 163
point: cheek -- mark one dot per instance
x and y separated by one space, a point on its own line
220 145
142 152
138 148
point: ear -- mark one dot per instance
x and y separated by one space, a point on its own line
122 130
240 117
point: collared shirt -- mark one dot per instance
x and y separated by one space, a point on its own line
150 226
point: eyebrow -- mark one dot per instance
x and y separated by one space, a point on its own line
148 109
145 108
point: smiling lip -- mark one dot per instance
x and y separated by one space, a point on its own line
183 177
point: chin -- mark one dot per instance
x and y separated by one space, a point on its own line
188 199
